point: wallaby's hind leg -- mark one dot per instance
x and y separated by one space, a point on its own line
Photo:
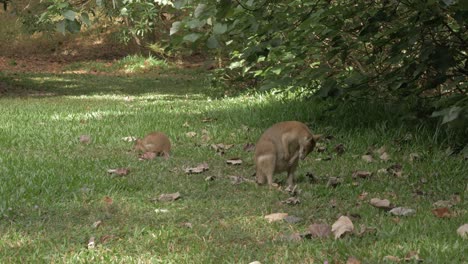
291 173
265 169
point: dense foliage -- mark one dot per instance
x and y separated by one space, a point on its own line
392 50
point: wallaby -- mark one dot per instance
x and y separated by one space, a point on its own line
156 142
279 149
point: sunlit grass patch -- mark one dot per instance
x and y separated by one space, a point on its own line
128 64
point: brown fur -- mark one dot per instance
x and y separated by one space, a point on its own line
156 142
279 149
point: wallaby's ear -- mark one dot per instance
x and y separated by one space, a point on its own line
316 137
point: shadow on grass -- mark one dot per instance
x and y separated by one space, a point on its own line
172 83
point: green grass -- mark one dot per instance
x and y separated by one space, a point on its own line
52 186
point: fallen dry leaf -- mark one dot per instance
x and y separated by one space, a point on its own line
191 134
447 203
395 170
384 156
291 201
291 219
381 150
443 212
198 169
85 139
249 147
412 255
91 243
414 157
210 178
275 217
379 203
367 158
294 237
382 171
391 258
234 161
186 124
220 147
364 229
97 224
319 230
342 226
339 149
107 200
463 231
186 224
334 181
321 149
129 139
353 260
119 171
402 211
361 174
208 119
167 197
147 156
363 195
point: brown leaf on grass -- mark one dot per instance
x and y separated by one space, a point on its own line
463 231
167 197
443 212
339 149
249 147
291 219
234 161
208 119
382 171
107 200
147 156
191 134
353 260
210 178
85 139
334 181
384 156
447 203
119 171
395 170
186 124
402 211
220 147
381 150
379 203
129 139
367 158
414 157
91 243
198 169
291 201
275 217
364 229
363 195
361 174
391 258
321 149
97 224
186 224
106 238
412 255
341 226
319 230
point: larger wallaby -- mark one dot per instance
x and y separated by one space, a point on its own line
279 149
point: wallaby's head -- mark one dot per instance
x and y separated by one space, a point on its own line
138 145
307 144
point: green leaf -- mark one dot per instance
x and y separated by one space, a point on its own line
199 10
60 26
70 15
212 42
219 28
73 26
175 27
192 37
85 19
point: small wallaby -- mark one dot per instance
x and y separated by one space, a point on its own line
156 142
279 149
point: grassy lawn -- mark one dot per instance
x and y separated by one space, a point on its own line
54 188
